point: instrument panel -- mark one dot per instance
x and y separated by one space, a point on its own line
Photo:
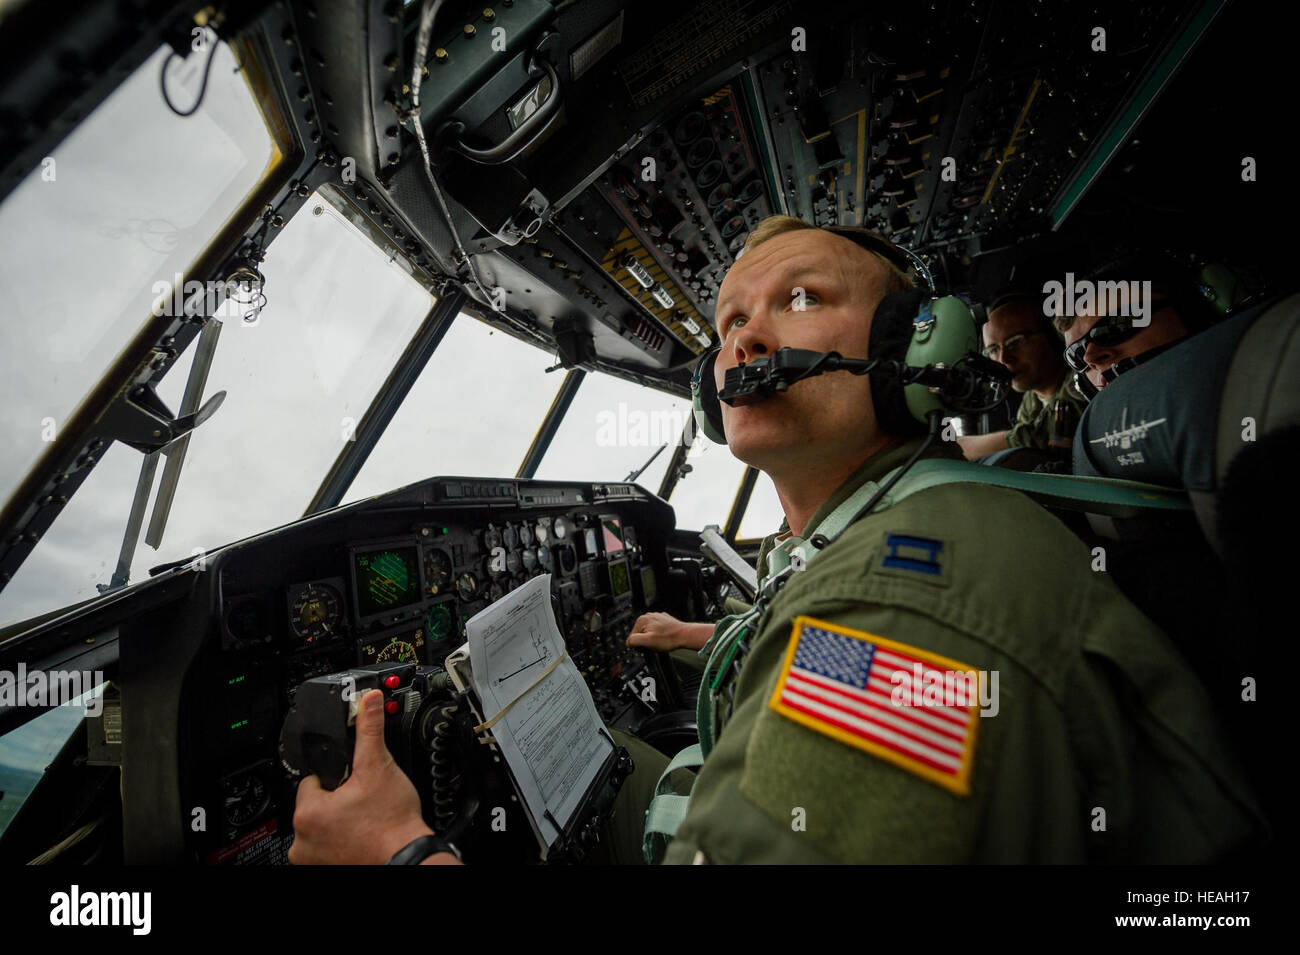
395 579
407 599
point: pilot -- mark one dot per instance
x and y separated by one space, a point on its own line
1019 336
1100 343
1091 740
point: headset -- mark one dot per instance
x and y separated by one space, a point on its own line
924 358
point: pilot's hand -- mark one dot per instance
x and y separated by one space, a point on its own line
367 819
662 631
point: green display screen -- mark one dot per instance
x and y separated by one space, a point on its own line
619 581
386 579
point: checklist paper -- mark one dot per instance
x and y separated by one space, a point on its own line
535 704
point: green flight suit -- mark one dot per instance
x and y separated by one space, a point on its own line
1097 710
1033 427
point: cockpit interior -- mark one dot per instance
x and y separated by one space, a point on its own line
333 322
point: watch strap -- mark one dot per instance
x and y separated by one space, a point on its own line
420 848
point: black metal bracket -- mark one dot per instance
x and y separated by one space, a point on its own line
143 421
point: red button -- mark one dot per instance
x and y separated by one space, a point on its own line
392 682
390 707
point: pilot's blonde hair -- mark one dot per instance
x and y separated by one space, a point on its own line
896 280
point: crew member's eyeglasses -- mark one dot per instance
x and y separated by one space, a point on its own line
1011 344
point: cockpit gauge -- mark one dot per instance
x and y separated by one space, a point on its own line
496 562
438 622
563 528
529 558
496 591
544 531
567 557
510 537
514 563
491 537
545 558
399 646
315 611
526 535
467 586
437 570
245 797
399 651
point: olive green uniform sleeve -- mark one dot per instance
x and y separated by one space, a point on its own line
1103 746
1032 427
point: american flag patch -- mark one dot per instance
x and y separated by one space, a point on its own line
841 683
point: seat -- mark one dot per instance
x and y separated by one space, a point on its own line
1177 420
1219 416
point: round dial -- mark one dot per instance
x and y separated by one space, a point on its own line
399 651
510 538
437 570
438 621
545 558
563 528
245 798
496 591
544 530
491 537
526 535
466 586
530 559
514 563
315 613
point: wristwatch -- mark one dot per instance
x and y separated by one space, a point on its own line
420 848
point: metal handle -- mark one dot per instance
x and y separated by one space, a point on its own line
521 138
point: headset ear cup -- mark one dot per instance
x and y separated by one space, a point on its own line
891 335
704 399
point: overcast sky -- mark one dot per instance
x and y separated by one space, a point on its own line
130 199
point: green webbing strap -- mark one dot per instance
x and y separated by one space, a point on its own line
1110 496
667 809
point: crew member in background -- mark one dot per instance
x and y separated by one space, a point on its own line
1101 341
1019 336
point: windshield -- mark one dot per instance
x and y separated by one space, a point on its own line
705 495
611 429
129 199
298 378
474 410
763 516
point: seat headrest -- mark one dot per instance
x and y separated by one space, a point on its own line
1159 422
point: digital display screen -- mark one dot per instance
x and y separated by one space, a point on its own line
386 579
619 580
613 531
